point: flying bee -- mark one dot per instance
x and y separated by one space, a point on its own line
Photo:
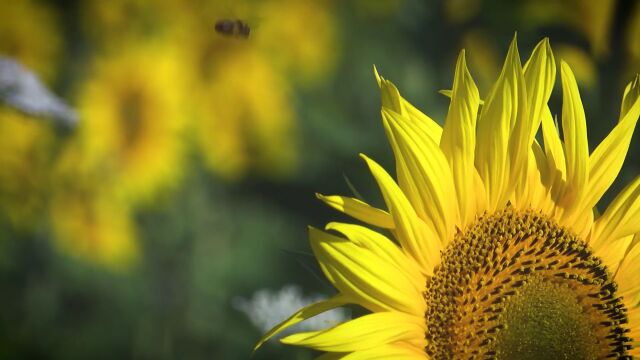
233 27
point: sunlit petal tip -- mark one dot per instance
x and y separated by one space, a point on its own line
631 96
513 46
502 150
379 78
513 55
358 209
389 94
306 312
446 92
371 164
544 49
330 226
539 75
513 52
545 44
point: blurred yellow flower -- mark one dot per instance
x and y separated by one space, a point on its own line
592 18
29 33
132 120
90 222
595 18
298 36
26 149
243 114
246 120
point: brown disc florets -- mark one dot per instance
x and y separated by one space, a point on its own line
515 285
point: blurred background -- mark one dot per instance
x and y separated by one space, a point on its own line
163 215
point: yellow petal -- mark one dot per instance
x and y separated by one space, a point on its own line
606 161
581 223
383 247
416 238
554 151
612 252
362 275
629 271
574 126
423 173
422 121
532 193
391 99
630 97
458 141
389 94
501 150
539 77
359 210
362 333
621 217
481 194
399 351
306 312
446 92
449 93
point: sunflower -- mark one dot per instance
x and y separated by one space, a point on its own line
246 122
495 247
132 118
88 216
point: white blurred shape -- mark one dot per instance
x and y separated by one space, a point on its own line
21 89
267 308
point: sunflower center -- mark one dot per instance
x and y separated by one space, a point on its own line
541 319
515 285
132 115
